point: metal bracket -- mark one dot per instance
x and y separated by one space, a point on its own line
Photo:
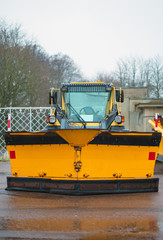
77 162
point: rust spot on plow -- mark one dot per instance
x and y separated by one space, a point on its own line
58 186
102 186
23 184
129 186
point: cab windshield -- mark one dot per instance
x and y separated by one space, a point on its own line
91 106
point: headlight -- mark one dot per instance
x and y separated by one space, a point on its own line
118 119
52 119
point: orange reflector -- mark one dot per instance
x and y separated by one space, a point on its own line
152 156
47 119
123 118
12 155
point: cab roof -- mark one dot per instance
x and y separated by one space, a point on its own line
86 86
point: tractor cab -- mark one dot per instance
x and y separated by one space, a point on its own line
86 105
85 102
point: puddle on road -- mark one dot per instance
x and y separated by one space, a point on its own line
26 215
86 227
72 223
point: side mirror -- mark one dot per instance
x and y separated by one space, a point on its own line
52 97
119 95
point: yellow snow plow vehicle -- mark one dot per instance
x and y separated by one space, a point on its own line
157 125
85 148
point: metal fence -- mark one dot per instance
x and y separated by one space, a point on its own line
22 119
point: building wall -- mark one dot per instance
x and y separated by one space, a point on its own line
128 94
138 109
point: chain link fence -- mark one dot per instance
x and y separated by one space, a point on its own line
22 119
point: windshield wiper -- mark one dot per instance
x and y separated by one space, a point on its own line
77 115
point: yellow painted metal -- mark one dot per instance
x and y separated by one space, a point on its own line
159 129
90 83
110 103
28 133
88 124
153 125
78 137
63 103
161 147
58 161
101 161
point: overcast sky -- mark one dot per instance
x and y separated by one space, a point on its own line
94 33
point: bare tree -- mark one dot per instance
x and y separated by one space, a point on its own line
133 71
122 72
64 70
27 72
137 72
25 69
157 77
145 74
104 77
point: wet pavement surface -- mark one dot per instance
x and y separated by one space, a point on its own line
25 215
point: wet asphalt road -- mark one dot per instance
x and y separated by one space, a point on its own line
47 216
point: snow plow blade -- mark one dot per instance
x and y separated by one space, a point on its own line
110 163
71 187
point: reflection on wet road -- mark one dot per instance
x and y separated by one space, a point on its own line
47 216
